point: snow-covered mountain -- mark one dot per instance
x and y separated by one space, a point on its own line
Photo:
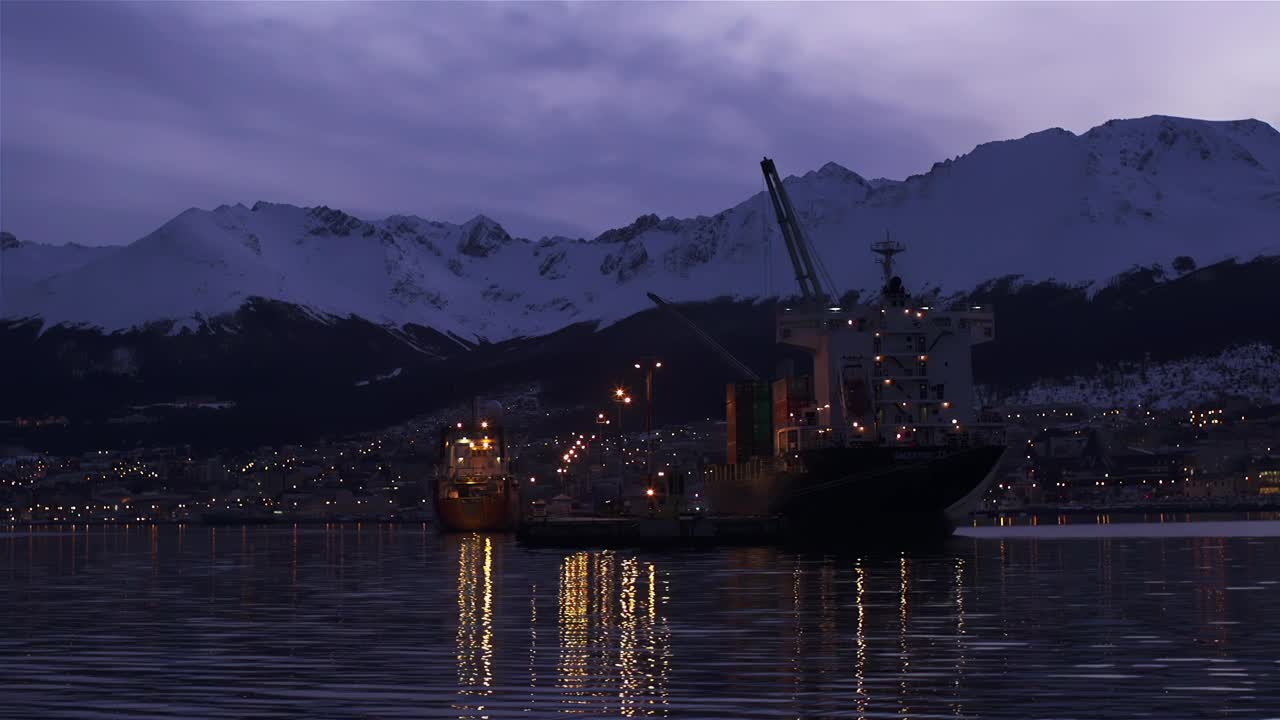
1049 205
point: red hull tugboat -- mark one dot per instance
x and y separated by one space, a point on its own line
474 488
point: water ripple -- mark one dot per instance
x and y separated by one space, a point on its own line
395 621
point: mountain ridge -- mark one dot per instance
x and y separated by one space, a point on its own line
1051 204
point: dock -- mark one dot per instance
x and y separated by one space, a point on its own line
685 530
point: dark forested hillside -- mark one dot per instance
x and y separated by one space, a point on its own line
1050 330
294 376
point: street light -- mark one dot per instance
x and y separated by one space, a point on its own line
650 366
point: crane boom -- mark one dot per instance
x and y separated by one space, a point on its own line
705 338
797 246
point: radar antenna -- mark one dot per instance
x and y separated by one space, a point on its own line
886 249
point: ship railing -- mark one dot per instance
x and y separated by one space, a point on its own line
977 434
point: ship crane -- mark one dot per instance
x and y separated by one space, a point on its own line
810 274
817 325
706 339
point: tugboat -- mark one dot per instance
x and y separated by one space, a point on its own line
474 489
883 438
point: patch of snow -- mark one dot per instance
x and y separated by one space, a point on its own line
181 325
1248 370
380 378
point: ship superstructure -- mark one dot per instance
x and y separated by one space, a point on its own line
474 488
893 372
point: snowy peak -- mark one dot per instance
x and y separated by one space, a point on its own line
326 222
835 172
1150 142
1053 204
482 237
642 224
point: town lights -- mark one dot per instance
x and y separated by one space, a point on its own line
619 393
649 492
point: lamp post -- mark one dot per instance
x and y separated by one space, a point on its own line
620 398
649 366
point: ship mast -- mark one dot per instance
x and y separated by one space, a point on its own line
886 249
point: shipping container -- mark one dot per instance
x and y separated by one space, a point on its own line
749 410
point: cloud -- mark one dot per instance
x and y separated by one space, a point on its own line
563 117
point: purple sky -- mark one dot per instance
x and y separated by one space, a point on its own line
558 118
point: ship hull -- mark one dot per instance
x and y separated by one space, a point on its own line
870 493
860 493
488 513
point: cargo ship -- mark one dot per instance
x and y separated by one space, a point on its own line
883 435
474 489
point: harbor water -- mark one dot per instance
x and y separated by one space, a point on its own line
397 621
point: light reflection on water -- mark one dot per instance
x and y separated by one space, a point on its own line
395 621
